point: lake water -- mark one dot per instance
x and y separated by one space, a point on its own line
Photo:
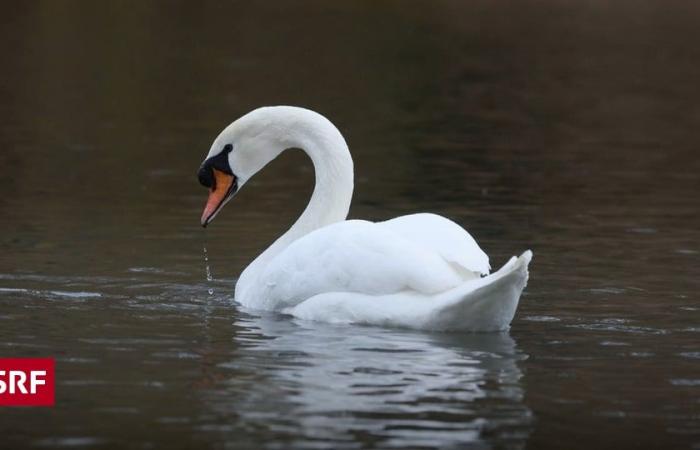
571 129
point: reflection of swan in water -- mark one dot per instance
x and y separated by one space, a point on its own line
334 384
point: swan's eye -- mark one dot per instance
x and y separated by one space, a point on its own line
228 148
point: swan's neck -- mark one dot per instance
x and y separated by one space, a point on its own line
332 194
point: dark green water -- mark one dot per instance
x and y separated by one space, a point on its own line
572 128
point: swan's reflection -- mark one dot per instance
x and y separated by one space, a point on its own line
313 383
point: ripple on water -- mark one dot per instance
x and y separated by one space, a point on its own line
376 371
387 350
607 290
69 294
70 442
619 327
176 355
613 344
51 293
12 290
691 329
541 319
173 420
78 360
145 270
685 381
642 354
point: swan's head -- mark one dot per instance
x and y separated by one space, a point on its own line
238 153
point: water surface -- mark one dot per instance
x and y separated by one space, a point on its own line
567 128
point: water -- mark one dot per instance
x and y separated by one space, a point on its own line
567 128
208 270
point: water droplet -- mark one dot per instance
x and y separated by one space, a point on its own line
208 271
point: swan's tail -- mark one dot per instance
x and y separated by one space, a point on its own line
486 304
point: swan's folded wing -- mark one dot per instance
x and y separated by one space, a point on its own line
485 304
443 236
353 256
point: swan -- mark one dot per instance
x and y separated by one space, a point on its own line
419 271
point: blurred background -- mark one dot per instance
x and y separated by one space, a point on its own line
571 128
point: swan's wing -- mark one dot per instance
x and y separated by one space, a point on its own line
485 304
353 256
443 236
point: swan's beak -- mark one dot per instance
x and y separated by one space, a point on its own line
223 188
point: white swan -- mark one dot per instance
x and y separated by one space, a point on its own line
418 271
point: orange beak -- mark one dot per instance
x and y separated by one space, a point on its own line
223 189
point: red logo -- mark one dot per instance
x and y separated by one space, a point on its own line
27 382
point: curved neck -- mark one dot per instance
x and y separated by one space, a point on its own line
333 168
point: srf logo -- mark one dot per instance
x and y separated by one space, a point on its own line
27 382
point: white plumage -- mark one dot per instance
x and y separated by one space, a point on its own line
418 271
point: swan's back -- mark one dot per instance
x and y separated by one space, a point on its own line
443 236
353 256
